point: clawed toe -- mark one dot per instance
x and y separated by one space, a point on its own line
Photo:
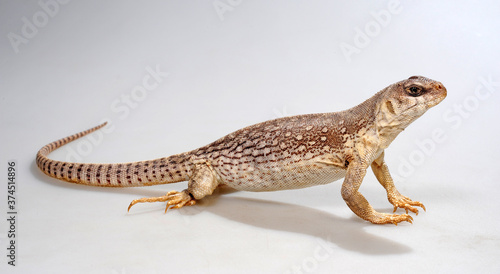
174 199
392 219
407 204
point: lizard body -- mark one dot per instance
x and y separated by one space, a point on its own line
285 153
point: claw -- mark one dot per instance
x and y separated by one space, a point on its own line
410 219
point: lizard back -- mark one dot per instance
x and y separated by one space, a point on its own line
290 152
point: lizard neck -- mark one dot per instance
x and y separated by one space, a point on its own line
387 135
388 122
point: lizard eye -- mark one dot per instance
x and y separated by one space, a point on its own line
414 91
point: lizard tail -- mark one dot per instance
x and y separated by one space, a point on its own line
175 168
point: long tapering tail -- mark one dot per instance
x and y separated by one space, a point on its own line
175 168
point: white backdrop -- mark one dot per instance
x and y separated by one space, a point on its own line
171 76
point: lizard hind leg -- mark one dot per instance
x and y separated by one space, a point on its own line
201 184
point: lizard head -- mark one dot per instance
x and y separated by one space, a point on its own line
405 101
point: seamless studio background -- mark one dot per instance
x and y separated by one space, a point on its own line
171 76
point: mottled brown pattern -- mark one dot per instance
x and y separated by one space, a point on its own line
285 153
111 175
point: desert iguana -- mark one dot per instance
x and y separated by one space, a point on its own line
285 153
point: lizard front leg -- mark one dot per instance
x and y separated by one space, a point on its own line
358 204
381 171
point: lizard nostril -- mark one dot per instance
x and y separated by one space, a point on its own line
439 86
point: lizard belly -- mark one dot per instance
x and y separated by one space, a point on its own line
269 177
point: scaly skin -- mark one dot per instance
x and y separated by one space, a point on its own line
285 153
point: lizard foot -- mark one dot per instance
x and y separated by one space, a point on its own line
174 199
384 218
400 201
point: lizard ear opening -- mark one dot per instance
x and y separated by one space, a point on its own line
390 107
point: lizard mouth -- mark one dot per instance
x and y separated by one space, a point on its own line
442 92
437 100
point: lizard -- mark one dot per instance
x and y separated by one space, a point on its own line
285 153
